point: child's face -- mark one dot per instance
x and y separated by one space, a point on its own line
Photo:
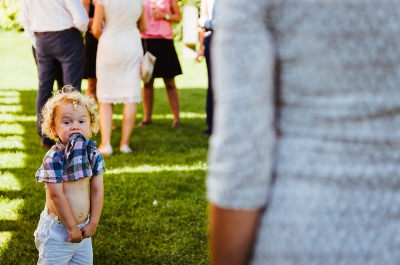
69 121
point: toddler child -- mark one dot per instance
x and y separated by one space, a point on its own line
72 170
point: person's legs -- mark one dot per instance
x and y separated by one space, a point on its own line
59 76
173 99
148 99
210 109
105 115
71 57
84 254
46 72
128 122
209 100
91 89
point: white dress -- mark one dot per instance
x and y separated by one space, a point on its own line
325 75
119 53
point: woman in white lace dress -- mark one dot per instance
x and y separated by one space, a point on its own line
117 24
304 166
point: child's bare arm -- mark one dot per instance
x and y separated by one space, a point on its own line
96 206
64 211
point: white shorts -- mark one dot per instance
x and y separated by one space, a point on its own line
51 240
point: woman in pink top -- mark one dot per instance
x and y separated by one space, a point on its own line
158 39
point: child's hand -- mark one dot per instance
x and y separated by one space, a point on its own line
88 230
74 235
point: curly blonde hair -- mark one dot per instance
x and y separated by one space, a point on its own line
68 94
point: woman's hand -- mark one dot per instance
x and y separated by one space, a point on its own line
158 14
200 54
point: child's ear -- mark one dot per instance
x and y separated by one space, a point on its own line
53 130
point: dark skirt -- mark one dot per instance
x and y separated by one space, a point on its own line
90 56
167 62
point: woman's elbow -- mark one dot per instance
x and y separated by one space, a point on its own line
178 18
96 32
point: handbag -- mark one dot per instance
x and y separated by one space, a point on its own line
147 66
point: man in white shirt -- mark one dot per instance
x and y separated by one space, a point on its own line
55 29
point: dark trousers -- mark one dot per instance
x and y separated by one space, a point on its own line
210 97
63 47
59 78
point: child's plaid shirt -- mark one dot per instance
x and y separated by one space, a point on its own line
79 159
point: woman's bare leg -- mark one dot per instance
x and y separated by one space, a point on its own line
91 88
173 99
105 115
128 122
148 99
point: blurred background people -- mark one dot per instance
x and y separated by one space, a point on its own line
55 29
206 23
119 55
90 51
158 39
304 159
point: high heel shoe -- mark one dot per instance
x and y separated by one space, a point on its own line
106 150
125 149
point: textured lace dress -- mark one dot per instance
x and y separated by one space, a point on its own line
307 126
119 52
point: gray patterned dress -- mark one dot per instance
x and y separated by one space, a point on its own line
307 125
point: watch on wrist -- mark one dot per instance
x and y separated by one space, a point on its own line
167 16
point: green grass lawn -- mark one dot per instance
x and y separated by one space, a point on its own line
168 165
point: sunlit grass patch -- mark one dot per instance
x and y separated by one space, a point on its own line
12 142
10 108
184 115
11 128
156 168
12 160
17 118
10 100
8 93
8 182
9 208
4 240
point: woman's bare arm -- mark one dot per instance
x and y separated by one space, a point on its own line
142 22
98 20
232 234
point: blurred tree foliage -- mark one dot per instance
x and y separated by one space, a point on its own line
10 12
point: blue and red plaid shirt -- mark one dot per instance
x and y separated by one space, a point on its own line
79 159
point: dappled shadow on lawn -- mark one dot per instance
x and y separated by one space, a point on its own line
20 157
168 166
